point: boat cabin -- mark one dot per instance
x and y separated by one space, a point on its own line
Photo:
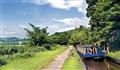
91 52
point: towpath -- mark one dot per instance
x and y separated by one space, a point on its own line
57 63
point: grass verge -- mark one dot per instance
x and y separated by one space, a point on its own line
72 62
36 62
115 54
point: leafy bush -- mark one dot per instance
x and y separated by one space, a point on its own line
47 46
2 62
13 50
18 55
21 49
38 49
28 54
23 55
115 54
7 50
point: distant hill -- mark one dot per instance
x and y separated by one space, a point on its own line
9 39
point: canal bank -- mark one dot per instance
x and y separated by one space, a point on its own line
81 61
117 61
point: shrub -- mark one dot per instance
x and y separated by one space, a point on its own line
13 50
4 50
38 49
28 54
23 55
115 54
47 46
2 62
18 55
21 49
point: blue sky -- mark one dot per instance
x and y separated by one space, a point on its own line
58 15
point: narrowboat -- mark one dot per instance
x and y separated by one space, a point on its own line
89 52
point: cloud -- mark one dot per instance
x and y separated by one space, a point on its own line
53 26
80 5
74 21
66 29
70 23
7 33
12 31
23 26
36 2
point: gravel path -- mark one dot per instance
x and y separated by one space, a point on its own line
58 61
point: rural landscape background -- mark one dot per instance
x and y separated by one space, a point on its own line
34 32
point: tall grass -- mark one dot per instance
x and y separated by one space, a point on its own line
114 54
38 61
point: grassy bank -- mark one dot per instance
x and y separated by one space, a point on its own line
115 54
72 63
36 62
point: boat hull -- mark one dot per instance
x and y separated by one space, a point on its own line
97 58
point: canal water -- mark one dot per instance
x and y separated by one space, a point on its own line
106 65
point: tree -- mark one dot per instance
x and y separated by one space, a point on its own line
61 38
105 21
37 36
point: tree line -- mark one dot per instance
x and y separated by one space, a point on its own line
105 22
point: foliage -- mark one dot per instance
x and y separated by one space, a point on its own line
80 34
115 54
7 50
60 38
2 62
38 61
75 36
37 36
105 22
23 55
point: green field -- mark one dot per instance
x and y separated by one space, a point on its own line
36 62
72 63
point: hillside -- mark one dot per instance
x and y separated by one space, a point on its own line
9 39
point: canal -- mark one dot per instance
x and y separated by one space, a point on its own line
106 65
95 65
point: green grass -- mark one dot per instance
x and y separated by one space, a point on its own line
115 54
72 63
36 62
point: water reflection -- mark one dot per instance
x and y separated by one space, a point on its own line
106 65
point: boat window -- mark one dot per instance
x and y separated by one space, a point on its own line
91 50
94 50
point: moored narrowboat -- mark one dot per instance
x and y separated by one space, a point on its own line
89 52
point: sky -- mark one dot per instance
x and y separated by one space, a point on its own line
58 15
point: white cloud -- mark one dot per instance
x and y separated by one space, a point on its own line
80 5
53 26
70 23
36 2
66 29
7 33
74 21
10 33
23 26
